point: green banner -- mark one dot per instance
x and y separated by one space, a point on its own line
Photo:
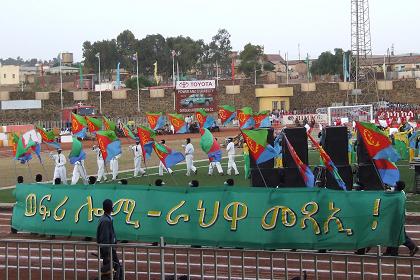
218 216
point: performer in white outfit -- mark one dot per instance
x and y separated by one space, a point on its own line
60 166
101 164
218 166
161 166
231 156
114 166
137 159
79 171
213 164
189 157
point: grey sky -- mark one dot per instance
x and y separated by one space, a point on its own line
43 28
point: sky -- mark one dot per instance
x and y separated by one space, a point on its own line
43 28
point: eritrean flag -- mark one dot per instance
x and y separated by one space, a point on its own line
376 142
245 118
108 124
47 137
76 153
78 126
259 149
204 120
226 114
210 146
177 120
388 171
93 124
262 119
304 170
109 144
21 150
166 155
146 137
329 165
128 133
155 120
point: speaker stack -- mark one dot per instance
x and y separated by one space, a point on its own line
299 140
368 176
335 143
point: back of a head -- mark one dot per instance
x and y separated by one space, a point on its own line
92 180
162 141
38 178
399 186
194 184
57 181
124 182
19 179
229 182
159 182
107 205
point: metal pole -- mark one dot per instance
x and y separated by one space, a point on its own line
177 69
138 86
287 68
100 88
173 68
61 82
162 258
255 75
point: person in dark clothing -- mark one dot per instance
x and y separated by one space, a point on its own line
105 234
409 243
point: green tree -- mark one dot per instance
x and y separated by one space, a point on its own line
328 63
188 51
154 48
108 54
251 59
220 51
143 82
126 44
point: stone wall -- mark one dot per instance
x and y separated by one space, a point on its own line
324 95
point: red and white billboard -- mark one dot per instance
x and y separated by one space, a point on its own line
192 95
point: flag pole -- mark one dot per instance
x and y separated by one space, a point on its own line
259 170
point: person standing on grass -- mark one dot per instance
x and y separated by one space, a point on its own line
114 166
79 171
60 166
137 159
161 165
189 157
101 164
230 148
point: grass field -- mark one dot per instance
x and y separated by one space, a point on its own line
179 178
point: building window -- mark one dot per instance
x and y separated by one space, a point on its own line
4 76
418 66
275 105
13 76
283 105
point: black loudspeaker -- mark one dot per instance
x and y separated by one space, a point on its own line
292 178
346 173
273 177
299 140
367 174
336 144
362 154
368 177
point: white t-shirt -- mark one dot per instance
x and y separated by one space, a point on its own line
136 150
230 148
189 149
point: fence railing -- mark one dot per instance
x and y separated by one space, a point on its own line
46 259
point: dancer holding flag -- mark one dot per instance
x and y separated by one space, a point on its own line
137 152
161 165
230 149
101 164
211 147
60 166
77 158
189 157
